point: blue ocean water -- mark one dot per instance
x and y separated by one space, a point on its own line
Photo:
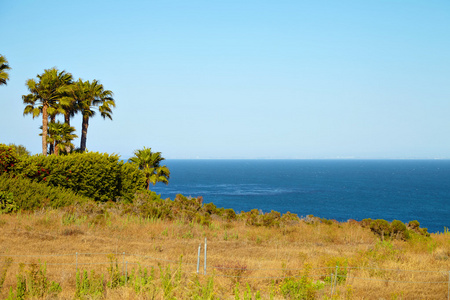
334 189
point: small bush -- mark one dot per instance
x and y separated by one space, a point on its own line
89 287
289 219
33 283
230 214
396 229
399 230
303 287
28 195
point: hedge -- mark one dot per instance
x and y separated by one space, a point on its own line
18 193
99 176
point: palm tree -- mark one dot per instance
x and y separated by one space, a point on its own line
88 96
45 96
60 135
3 68
149 162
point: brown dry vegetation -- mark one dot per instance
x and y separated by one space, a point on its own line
243 260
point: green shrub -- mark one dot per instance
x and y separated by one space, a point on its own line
89 287
99 176
396 229
289 219
326 221
7 203
27 195
148 204
33 283
303 287
414 225
399 230
271 219
230 214
210 208
8 159
381 228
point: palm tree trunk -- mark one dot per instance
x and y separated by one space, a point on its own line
44 129
84 128
67 121
67 118
52 145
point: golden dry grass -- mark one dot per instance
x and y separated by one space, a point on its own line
260 256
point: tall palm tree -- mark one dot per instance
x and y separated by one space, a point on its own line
3 68
61 135
89 96
45 96
150 163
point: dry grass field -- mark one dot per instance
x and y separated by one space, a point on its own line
297 261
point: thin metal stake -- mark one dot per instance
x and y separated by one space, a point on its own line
123 265
126 272
198 257
205 258
335 280
76 260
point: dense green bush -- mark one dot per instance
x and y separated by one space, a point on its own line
273 219
8 159
394 230
7 203
22 193
99 176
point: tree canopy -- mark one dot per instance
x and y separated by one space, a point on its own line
4 67
150 163
55 93
45 98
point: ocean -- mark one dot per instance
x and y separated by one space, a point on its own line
334 189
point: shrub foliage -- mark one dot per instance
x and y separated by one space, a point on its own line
21 193
99 176
8 159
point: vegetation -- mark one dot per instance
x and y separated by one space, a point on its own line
20 150
54 93
154 256
60 136
18 193
86 96
8 159
4 67
99 176
46 94
150 163
93 201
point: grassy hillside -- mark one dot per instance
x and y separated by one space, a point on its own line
293 260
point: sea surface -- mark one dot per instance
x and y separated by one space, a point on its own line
334 189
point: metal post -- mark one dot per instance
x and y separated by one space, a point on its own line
126 272
205 258
123 265
335 280
76 261
332 282
198 257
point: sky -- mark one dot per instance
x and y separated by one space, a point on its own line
242 79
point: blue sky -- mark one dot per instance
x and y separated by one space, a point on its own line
242 79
